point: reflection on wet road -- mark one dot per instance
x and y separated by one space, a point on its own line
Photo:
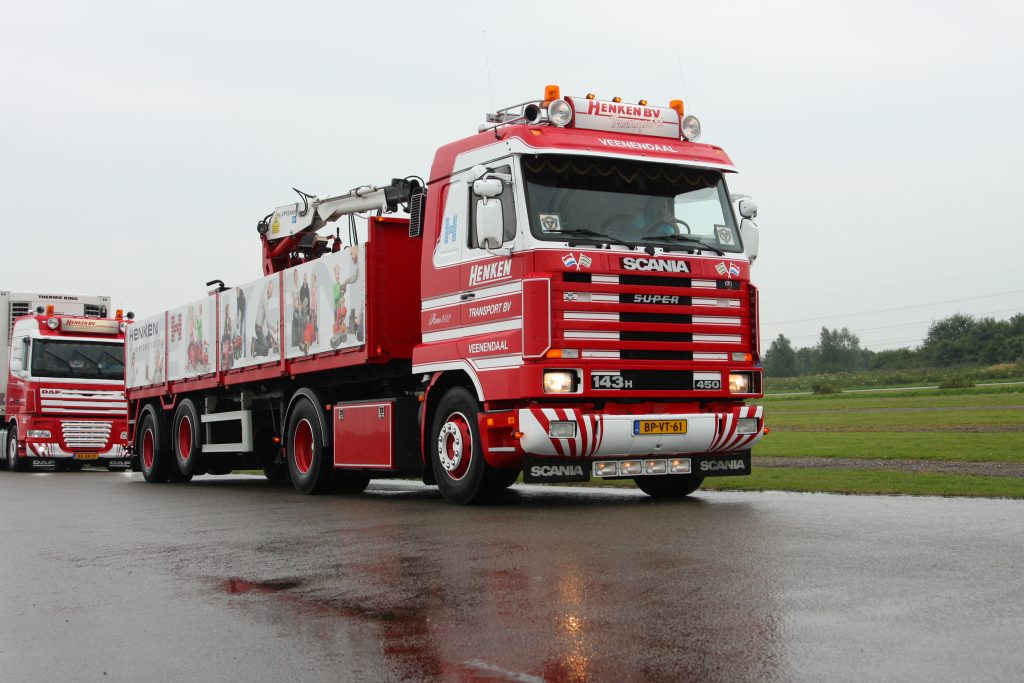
235 578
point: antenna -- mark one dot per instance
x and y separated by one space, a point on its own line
487 62
682 81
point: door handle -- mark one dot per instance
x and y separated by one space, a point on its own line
467 295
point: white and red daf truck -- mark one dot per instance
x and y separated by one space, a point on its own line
569 297
62 387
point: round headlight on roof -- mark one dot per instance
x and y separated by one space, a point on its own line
690 128
53 323
560 113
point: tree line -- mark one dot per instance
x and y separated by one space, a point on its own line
958 340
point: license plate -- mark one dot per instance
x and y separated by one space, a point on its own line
87 456
641 427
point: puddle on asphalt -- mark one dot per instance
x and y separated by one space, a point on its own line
235 586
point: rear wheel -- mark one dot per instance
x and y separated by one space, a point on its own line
155 457
308 464
185 439
669 485
461 473
14 463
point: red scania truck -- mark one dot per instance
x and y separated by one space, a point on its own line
569 297
62 390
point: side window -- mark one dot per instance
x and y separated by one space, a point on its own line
508 208
452 234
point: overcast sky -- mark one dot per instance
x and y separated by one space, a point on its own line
141 142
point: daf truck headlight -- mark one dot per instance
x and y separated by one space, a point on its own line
560 113
559 381
739 382
38 433
690 128
53 323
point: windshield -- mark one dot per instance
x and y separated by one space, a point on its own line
77 359
632 201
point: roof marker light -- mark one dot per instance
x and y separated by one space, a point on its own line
49 309
551 93
677 107
591 96
616 99
642 103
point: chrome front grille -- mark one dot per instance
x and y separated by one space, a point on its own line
79 434
650 319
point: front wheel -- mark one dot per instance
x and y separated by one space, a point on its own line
456 455
669 485
14 463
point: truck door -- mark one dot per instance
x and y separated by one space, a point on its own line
491 286
442 289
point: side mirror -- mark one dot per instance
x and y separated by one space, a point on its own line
488 187
489 222
747 208
751 236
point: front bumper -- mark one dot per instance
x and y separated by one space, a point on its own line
612 435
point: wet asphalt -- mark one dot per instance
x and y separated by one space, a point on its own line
106 578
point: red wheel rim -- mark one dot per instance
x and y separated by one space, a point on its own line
455 446
185 437
147 449
302 446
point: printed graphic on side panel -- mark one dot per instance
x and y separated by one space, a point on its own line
253 337
191 345
324 303
144 349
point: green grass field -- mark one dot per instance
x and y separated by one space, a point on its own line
983 424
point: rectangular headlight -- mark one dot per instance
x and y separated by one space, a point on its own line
629 468
746 425
740 382
38 433
655 467
559 381
606 468
679 466
562 430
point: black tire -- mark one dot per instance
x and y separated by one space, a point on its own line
669 485
308 464
350 483
457 460
186 440
14 463
155 457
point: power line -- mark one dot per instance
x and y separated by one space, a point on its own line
898 308
881 288
921 322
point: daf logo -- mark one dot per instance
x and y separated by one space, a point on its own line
655 264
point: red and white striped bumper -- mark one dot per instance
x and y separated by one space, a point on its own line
603 436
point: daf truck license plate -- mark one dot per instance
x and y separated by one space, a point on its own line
87 456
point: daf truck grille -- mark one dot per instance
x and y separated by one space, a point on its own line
82 434
82 402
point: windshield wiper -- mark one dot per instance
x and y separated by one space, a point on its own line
685 238
587 232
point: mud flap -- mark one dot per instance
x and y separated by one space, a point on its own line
547 471
724 465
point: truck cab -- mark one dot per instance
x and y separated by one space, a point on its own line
589 283
65 403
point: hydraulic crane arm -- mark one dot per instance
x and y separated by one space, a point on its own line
288 234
